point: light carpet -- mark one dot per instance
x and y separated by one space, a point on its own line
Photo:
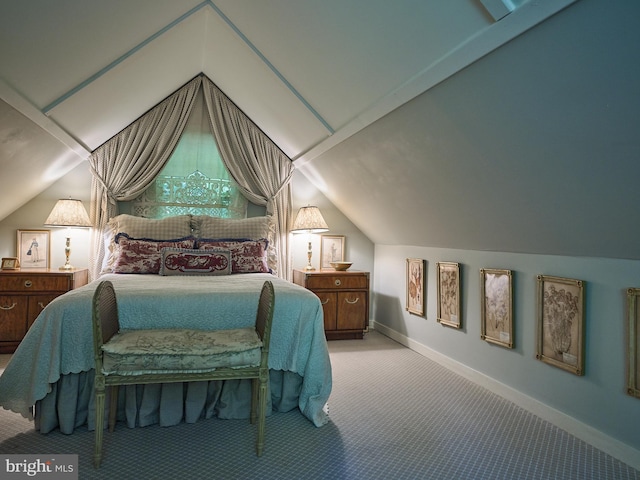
394 415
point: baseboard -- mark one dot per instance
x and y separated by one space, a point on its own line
581 430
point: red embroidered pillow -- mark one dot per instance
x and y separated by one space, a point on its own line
177 261
247 256
142 255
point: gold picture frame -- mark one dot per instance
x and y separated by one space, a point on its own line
560 320
415 286
331 250
448 287
633 347
496 306
10 263
33 248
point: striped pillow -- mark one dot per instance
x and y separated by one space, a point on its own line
252 228
161 228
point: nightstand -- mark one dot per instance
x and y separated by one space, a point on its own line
25 293
344 297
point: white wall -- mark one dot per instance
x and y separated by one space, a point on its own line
76 184
596 400
358 248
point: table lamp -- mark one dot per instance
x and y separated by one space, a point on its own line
68 213
309 220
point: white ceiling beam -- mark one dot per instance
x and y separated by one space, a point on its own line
271 67
123 57
519 21
26 108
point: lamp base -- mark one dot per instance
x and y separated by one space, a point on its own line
67 253
309 268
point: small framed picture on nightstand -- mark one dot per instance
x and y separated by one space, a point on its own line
33 248
10 263
331 250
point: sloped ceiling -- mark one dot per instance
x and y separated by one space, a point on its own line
309 73
426 123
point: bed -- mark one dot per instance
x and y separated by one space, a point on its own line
50 376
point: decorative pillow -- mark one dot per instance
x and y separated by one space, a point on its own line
141 228
252 228
247 256
177 261
143 255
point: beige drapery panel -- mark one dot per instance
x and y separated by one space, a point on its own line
125 166
261 170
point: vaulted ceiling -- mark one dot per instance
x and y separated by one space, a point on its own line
338 85
309 73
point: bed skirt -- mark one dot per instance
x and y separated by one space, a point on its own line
70 404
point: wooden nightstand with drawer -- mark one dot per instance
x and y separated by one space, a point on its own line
344 297
25 293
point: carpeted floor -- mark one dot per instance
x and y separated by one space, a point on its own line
394 415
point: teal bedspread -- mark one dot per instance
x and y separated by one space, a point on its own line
60 341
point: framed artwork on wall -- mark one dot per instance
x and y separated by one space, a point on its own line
448 284
633 347
415 286
561 323
496 306
33 248
331 250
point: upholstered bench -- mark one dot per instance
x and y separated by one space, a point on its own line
133 357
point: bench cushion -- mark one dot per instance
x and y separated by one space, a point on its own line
139 352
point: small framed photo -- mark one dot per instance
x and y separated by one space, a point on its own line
496 306
633 348
561 323
448 284
331 250
33 248
415 286
10 263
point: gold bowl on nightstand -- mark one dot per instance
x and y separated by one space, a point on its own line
341 266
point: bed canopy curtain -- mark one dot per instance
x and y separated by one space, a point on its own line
256 164
124 166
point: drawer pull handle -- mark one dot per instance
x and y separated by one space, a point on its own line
28 283
338 282
41 305
8 307
325 302
352 302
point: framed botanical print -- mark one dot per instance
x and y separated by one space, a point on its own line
496 306
33 248
448 286
633 347
415 286
331 250
561 323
